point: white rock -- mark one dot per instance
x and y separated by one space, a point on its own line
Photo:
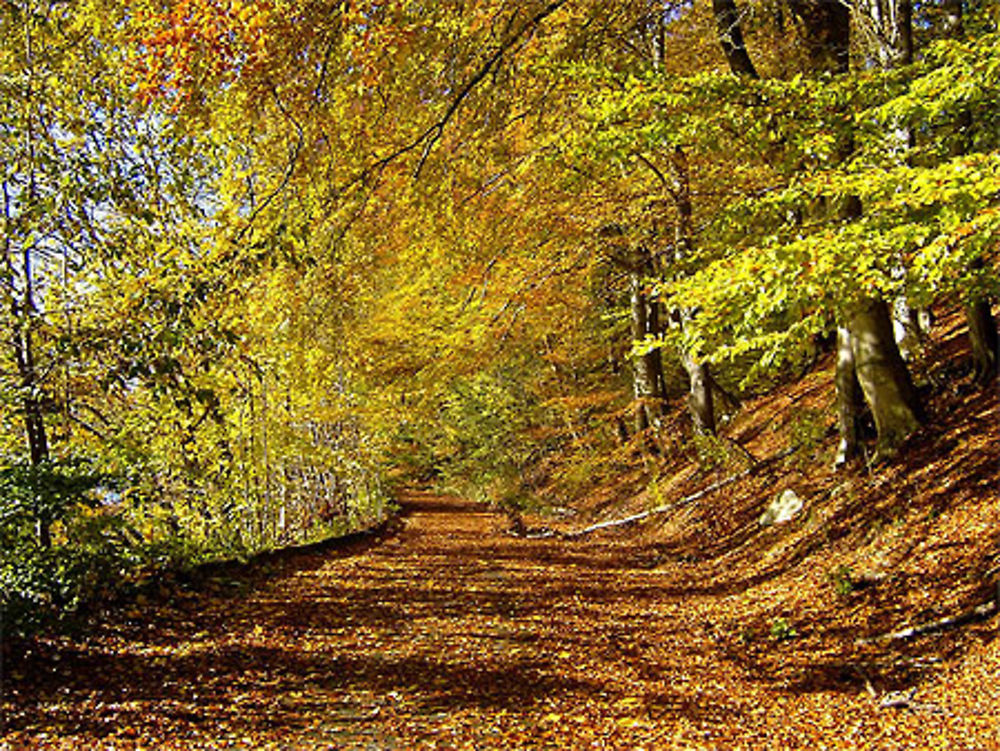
782 508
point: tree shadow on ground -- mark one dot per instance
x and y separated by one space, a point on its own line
255 688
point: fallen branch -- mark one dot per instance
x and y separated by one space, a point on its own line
978 613
667 507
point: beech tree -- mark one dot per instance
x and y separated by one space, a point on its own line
866 354
983 337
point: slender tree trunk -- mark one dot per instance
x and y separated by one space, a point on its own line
883 376
700 402
827 33
727 22
983 339
880 370
648 367
656 321
889 24
642 382
848 398
700 381
34 420
24 311
906 328
621 430
728 401
700 398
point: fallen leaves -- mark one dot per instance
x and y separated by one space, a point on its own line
414 645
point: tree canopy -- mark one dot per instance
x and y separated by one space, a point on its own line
260 256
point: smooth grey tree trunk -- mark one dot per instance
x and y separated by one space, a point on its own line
31 405
19 268
983 339
889 25
883 376
700 402
849 402
880 370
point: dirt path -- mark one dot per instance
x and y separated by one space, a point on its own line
451 634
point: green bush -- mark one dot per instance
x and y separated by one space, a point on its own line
86 552
842 580
95 554
808 430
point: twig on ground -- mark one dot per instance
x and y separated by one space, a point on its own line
868 682
667 507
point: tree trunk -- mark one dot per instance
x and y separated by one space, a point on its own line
883 376
23 315
727 401
621 430
648 367
890 24
24 311
848 399
906 328
879 368
700 381
727 21
34 422
700 395
983 340
827 33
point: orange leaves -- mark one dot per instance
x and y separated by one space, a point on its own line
200 40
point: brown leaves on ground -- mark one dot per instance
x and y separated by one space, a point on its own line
449 633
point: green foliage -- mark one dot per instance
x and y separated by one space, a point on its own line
842 580
773 266
184 358
581 473
485 448
234 295
92 551
712 452
50 491
782 630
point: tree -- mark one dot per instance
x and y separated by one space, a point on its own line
983 337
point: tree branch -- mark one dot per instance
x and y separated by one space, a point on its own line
727 21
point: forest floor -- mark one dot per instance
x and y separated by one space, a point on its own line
447 632
698 630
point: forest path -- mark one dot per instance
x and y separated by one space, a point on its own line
445 633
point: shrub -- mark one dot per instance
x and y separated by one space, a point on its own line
782 630
842 580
